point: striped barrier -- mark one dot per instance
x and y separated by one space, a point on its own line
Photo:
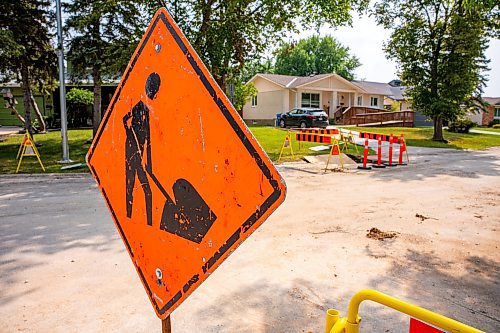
306 137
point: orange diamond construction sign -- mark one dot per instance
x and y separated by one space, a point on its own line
183 177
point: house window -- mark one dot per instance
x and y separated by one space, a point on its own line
310 100
373 101
496 115
360 100
254 101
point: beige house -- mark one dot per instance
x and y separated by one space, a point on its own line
281 93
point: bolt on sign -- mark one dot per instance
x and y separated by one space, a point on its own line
183 177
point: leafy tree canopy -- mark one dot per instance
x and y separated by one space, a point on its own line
439 46
315 55
229 33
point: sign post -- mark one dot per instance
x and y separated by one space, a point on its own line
183 177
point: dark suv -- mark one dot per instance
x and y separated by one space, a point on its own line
304 117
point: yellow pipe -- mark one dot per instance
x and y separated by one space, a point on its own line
339 326
332 316
417 312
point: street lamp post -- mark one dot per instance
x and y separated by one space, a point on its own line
62 90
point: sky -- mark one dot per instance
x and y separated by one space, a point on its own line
365 39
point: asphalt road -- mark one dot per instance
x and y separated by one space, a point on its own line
63 267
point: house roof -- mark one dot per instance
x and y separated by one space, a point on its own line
492 100
397 93
378 88
290 81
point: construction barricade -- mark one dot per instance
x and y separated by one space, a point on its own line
28 148
390 144
419 323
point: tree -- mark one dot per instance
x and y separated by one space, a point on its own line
242 94
103 35
26 52
439 46
315 55
227 34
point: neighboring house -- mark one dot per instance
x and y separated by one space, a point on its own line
7 118
49 105
398 94
485 118
281 93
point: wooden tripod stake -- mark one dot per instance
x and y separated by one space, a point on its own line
166 326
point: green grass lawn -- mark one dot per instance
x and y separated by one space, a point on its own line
50 152
270 138
421 137
487 129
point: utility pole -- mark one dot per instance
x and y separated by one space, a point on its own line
62 90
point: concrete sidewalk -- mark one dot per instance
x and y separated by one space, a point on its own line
483 132
8 130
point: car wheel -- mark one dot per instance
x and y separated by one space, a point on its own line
303 124
282 123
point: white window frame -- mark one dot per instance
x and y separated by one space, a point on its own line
360 100
310 99
254 101
495 112
372 99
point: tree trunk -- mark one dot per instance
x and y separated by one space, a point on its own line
39 116
96 118
438 130
25 79
15 112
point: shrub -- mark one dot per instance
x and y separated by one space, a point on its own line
496 126
79 101
494 122
461 126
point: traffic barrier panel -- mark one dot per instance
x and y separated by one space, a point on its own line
350 324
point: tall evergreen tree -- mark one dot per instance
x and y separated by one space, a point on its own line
103 35
26 52
440 46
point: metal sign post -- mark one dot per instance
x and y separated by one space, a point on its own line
62 90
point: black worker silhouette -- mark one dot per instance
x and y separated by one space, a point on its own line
188 216
138 143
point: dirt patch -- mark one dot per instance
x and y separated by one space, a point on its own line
375 233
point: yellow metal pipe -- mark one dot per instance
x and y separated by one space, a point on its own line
339 326
417 312
332 316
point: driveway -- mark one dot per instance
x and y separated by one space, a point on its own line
63 267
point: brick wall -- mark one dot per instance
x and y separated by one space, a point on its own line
488 116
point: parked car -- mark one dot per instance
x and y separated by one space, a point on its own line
304 117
